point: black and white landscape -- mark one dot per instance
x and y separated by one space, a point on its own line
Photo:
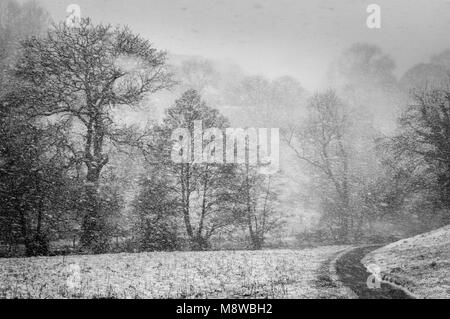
224 149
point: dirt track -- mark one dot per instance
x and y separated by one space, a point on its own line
354 275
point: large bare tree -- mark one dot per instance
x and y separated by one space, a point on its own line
79 76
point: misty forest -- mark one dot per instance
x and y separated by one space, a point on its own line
86 120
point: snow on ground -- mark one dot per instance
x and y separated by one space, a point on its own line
421 263
214 274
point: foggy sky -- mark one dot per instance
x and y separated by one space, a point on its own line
277 37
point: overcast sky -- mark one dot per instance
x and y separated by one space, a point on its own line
277 37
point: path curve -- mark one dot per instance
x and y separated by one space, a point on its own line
353 274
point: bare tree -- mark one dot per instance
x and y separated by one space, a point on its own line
81 74
322 144
254 201
199 188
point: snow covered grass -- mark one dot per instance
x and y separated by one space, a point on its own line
421 263
217 274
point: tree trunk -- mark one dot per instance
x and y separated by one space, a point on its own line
200 243
185 194
93 236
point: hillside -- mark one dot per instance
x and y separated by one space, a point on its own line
421 264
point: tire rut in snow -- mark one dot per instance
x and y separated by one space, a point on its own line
353 274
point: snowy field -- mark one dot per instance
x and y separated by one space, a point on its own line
218 274
421 263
